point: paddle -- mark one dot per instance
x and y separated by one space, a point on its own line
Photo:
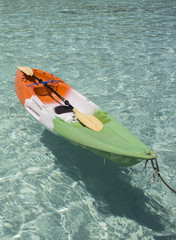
86 119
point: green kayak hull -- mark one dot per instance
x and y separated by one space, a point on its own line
114 142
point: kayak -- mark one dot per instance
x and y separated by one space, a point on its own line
70 115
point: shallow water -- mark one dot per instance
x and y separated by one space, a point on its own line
121 55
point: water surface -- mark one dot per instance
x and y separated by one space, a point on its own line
121 55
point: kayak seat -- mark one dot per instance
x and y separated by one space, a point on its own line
63 109
41 91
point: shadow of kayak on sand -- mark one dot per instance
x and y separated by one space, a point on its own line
108 183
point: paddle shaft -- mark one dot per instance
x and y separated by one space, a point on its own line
63 99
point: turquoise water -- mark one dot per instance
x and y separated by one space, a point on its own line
121 55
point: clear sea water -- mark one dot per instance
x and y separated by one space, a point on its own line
122 55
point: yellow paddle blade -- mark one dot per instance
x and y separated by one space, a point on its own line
27 70
89 120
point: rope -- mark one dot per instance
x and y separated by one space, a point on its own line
156 171
45 82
